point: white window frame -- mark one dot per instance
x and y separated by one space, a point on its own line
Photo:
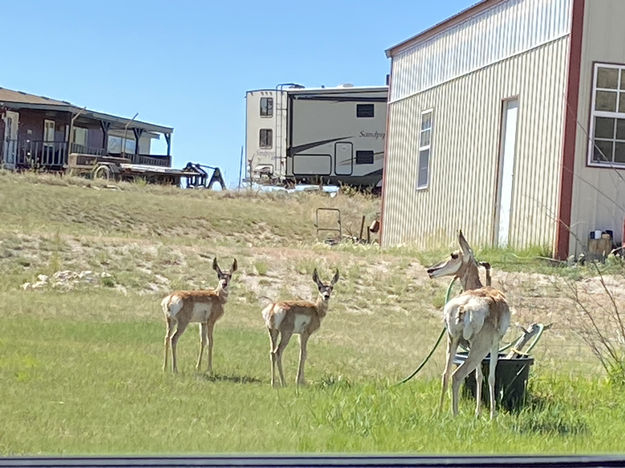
425 147
598 113
49 126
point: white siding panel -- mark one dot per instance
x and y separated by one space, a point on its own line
505 30
465 153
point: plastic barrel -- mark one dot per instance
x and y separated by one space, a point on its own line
511 377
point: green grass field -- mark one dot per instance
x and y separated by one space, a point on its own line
80 359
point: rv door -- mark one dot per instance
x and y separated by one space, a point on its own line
343 158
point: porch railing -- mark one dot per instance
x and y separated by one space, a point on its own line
53 154
41 154
76 148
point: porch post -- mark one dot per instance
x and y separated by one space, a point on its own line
69 134
168 140
138 132
105 135
71 128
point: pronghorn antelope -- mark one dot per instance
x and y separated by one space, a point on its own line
202 306
300 317
479 316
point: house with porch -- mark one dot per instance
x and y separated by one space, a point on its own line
39 132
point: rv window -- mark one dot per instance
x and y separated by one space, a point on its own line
364 110
266 107
364 157
425 140
607 123
266 138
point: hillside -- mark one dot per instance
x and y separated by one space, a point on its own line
84 266
140 240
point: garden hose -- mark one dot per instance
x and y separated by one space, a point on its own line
440 337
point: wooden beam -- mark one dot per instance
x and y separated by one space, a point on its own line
105 133
168 140
138 132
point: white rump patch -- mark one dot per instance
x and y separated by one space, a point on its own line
171 305
266 313
465 315
278 316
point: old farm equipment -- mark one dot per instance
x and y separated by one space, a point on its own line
122 169
201 179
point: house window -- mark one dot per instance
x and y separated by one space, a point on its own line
607 122
80 136
115 145
48 132
266 138
364 157
364 110
266 107
425 147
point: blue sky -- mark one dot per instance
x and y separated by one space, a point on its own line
187 64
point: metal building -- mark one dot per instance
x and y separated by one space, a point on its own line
507 121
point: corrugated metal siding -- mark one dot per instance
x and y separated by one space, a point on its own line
465 153
505 30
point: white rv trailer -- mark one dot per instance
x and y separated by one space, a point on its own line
316 135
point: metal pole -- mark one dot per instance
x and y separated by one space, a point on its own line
240 167
124 139
71 127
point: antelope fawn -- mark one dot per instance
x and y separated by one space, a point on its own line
202 306
300 317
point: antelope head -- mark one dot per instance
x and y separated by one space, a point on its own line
325 290
455 265
224 277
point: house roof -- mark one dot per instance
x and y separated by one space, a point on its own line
21 100
8 95
443 25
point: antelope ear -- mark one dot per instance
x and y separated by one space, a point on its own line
234 266
315 277
336 277
464 246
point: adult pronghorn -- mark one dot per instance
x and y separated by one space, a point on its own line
202 306
300 317
479 316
